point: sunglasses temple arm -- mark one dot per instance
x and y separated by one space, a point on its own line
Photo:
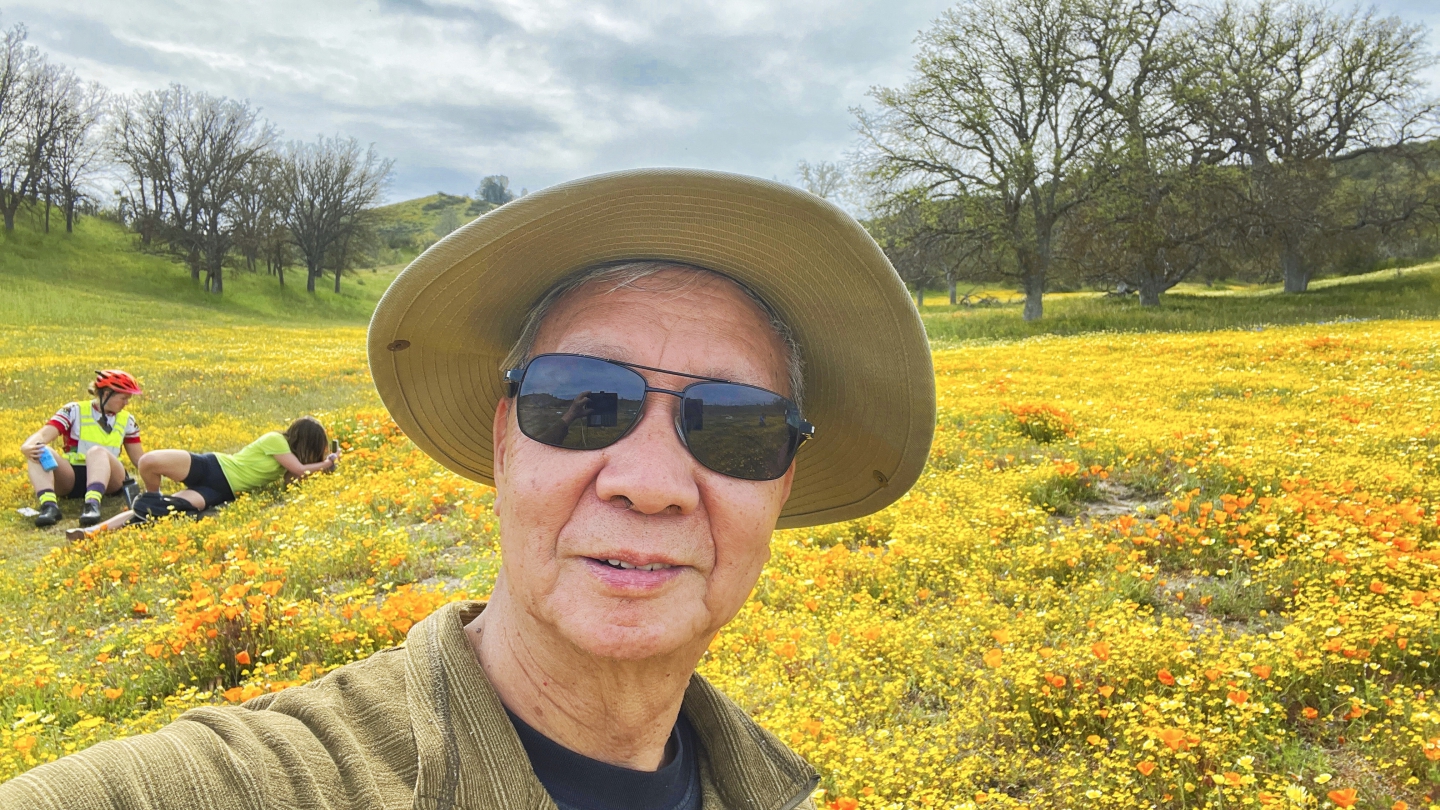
513 378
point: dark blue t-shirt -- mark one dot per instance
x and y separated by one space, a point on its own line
577 782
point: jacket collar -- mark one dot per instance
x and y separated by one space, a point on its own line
471 759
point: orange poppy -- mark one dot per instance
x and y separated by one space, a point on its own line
1343 798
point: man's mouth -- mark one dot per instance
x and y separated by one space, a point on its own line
621 564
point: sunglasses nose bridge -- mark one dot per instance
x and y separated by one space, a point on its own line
645 407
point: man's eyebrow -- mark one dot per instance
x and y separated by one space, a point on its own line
595 348
621 354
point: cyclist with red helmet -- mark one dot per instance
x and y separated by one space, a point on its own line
88 465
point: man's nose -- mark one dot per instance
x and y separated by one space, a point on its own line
650 469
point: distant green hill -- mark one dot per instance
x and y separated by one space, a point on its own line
97 275
406 228
64 279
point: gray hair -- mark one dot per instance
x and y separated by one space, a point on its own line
627 274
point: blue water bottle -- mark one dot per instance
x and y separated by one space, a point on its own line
47 460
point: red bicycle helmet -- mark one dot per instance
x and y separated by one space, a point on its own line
117 380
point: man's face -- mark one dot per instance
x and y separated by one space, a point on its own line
644 499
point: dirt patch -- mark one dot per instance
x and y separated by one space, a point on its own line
1111 500
1115 499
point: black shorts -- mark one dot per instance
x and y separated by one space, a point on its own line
207 478
77 490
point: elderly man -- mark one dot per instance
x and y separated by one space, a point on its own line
635 361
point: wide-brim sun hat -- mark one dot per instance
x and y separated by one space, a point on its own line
443 328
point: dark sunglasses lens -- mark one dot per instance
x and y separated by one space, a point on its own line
579 403
738 431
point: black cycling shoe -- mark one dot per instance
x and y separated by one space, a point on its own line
49 514
90 513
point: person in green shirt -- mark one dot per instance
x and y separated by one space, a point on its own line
212 479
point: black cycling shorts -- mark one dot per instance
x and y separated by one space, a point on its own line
207 478
77 490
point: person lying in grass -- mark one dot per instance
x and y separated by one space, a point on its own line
213 479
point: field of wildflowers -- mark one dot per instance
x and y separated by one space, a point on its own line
1183 571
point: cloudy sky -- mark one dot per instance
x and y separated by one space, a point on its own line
539 90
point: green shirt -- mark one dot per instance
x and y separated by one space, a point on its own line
255 465
413 727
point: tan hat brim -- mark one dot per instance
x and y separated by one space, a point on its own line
442 329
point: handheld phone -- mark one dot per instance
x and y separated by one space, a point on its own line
334 445
604 408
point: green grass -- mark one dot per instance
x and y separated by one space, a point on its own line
1410 293
97 276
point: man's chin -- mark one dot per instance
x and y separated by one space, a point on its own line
631 642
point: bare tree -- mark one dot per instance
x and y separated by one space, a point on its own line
187 155
31 112
142 144
993 119
278 249
217 140
76 151
823 179
1287 90
327 186
256 212
16 58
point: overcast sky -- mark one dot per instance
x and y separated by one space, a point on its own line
539 90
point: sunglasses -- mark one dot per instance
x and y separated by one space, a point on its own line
587 403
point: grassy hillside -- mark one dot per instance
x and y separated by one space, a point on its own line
406 228
97 277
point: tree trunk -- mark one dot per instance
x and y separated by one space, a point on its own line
70 217
1149 291
920 296
9 220
280 271
47 213
951 281
337 281
1150 283
1297 275
310 278
1034 295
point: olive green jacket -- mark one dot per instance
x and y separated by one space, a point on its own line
418 726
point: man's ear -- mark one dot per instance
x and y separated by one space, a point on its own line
500 431
786 481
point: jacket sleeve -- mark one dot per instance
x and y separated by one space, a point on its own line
216 758
343 742
186 764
